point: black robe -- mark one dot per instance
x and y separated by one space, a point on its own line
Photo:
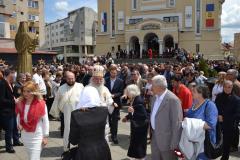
87 130
139 129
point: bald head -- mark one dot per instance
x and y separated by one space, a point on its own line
70 78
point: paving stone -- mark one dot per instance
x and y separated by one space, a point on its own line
54 148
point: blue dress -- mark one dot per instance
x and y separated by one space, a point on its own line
207 112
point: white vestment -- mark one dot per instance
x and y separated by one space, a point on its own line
106 101
192 138
65 101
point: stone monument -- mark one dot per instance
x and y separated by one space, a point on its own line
25 44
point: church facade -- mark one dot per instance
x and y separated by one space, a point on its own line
162 25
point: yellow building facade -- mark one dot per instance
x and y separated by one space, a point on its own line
237 45
161 25
31 11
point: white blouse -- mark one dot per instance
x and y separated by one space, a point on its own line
43 124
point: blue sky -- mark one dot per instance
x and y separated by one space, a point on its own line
58 9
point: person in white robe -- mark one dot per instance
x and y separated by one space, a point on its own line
65 101
97 81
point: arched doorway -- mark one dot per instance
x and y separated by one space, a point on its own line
134 47
151 41
168 43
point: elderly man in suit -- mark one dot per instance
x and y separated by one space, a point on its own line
115 86
166 117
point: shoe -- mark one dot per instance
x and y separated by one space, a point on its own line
18 144
115 140
10 150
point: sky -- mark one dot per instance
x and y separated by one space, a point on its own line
58 9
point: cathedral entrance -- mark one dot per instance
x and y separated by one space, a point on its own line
134 51
151 42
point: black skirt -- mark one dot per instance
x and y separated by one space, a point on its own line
138 141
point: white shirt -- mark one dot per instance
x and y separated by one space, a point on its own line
156 106
216 90
39 80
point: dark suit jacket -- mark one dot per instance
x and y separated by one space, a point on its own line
7 102
117 89
17 90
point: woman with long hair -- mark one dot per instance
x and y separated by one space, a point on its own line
32 118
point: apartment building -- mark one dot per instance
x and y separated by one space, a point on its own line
74 36
31 11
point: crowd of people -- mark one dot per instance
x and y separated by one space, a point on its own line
174 107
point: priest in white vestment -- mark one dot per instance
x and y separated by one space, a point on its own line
65 101
97 81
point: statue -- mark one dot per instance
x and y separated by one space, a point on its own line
25 44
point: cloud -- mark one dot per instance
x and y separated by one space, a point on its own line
62 6
230 19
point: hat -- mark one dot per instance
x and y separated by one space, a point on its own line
98 71
89 98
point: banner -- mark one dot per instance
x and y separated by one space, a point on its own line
103 22
188 16
120 20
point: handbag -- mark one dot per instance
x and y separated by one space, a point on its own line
212 150
70 154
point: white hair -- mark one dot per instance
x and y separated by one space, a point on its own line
133 90
160 81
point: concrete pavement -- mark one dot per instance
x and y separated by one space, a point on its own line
54 148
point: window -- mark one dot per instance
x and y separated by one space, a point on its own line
134 4
198 17
61 32
32 17
2 18
14 1
171 3
62 24
1 2
32 29
14 14
33 4
171 19
13 27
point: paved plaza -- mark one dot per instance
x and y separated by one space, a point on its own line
54 148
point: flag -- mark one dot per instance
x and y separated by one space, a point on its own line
210 23
209 15
210 7
103 22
